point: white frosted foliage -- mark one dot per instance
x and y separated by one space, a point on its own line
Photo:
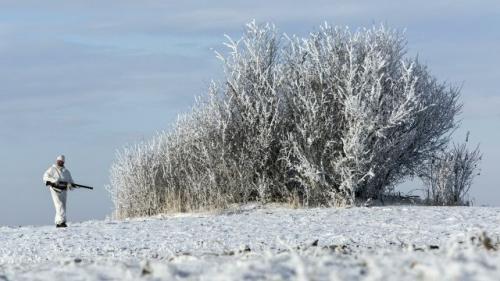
329 119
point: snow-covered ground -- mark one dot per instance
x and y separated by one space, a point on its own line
264 243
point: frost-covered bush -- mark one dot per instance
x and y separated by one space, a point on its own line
322 120
360 116
448 175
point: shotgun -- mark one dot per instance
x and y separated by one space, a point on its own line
64 185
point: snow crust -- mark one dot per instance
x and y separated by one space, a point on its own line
264 243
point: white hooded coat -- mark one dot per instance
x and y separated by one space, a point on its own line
58 174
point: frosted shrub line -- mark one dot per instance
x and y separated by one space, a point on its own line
330 119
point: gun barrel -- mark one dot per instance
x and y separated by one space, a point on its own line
63 184
83 186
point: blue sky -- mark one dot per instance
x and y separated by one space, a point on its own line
84 78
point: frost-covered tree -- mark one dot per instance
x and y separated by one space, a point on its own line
323 120
448 175
362 116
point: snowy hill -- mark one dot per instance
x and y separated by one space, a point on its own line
260 243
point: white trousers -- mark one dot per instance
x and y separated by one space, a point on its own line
59 199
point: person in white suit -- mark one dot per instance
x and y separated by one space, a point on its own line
59 181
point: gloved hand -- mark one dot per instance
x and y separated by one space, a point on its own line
50 183
70 186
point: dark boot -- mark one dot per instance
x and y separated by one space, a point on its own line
61 225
